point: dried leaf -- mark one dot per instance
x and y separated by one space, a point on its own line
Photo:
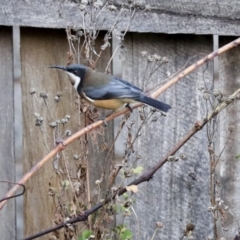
132 188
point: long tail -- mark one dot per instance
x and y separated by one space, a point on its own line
155 103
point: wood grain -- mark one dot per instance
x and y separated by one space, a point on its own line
174 16
53 188
228 169
7 160
178 193
40 49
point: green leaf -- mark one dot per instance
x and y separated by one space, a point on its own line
137 170
126 235
85 235
65 184
238 156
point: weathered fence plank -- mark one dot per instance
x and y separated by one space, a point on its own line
80 164
229 167
7 161
40 49
179 193
174 16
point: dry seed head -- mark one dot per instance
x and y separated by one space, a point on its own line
82 7
97 182
231 128
159 224
112 8
210 209
36 115
56 99
190 227
79 33
182 156
216 93
206 96
170 158
53 124
223 92
168 73
68 133
64 120
76 157
127 203
176 159
209 237
165 60
43 95
32 91
98 4
154 119
226 208
59 94
144 53
128 173
151 58
156 57
39 121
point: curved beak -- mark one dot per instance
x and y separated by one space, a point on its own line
59 67
73 79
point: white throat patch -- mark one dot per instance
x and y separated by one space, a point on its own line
75 80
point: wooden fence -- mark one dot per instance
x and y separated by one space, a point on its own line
180 192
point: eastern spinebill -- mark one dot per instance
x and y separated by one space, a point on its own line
106 91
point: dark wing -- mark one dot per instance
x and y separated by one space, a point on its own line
116 88
127 83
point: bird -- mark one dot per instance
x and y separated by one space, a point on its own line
106 91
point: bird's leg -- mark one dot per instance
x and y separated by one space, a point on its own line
103 117
129 107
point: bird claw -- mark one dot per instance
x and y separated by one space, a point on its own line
103 118
129 107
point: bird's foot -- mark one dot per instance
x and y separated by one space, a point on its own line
102 117
104 121
129 107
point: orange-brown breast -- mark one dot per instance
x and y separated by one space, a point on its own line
110 103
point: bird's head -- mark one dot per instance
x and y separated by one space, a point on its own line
76 73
